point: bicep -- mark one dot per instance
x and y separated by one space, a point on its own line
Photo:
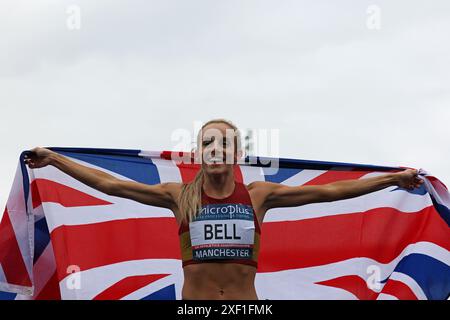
279 195
158 195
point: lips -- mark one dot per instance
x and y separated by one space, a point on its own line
215 160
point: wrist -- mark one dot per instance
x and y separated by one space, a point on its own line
394 179
54 158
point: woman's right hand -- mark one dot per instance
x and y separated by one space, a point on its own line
38 158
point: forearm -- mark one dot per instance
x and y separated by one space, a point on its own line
278 195
92 177
355 188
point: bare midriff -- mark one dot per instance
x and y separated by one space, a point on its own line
219 281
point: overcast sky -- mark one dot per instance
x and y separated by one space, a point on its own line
351 81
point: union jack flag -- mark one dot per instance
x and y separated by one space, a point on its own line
60 239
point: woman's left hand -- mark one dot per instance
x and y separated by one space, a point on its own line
408 179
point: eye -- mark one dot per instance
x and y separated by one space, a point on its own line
207 141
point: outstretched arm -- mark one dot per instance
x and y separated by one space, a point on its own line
278 195
160 195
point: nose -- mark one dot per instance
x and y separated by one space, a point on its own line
217 148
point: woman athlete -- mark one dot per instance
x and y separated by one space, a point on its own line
219 218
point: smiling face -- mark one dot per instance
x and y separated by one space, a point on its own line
218 148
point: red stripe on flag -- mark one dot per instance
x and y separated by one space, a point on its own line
128 285
284 245
398 289
43 190
385 233
97 244
336 175
353 284
51 290
188 171
436 182
178 155
11 258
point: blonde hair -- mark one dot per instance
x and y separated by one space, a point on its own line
190 199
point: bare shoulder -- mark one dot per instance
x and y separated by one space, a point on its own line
172 185
259 192
262 186
174 188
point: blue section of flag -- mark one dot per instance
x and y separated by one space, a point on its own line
166 293
432 275
136 168
114 152
41 238
419 191
314 164
7 295
25 179
281 175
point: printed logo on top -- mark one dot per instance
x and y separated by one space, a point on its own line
223 231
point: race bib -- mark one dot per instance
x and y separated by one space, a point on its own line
223 231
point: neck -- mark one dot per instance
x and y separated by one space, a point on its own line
219 186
